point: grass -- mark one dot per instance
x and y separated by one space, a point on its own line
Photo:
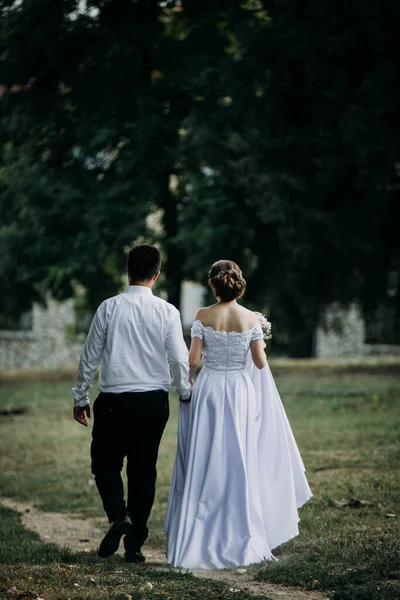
346 420
44 454
17 545
348 428
30 568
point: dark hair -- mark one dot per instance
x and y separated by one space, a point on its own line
143 262
226 280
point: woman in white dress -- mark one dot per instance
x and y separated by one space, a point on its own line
238 476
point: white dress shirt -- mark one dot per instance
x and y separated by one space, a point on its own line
137 340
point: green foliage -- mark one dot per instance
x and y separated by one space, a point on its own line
69 206
302 160
276 121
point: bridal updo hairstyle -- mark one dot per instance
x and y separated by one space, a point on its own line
226 280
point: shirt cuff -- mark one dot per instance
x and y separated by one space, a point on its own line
81 401
185 395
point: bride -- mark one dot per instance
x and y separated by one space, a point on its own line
238 476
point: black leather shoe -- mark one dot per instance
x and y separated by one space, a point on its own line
134 557
110 542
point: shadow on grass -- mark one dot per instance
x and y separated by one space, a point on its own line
20 546
30 568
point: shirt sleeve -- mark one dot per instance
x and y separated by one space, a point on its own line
257 333
92 353
178 357
197 330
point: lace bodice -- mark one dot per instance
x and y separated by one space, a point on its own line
226 351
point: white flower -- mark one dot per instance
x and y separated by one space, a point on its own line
265 325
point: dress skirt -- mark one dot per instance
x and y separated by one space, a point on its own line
238 477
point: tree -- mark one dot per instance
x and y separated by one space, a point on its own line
76 191
265 132
305 161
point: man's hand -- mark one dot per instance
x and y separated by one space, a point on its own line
82 414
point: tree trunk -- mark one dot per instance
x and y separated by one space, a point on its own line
174 259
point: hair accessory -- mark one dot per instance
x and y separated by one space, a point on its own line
227 271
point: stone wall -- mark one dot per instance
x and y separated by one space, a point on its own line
47 345
342 336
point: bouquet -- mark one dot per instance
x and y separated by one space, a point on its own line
265 326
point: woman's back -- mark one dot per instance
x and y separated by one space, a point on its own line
223 350
227 331
229 317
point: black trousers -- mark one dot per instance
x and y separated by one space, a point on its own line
128 425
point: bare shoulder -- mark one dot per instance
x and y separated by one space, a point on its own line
205 312
249 315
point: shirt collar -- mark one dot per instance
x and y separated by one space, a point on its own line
138 289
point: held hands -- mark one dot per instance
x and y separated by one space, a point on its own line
82 414
187 400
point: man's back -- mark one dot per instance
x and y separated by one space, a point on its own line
135 355
137 340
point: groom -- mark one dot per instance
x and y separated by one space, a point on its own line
137 340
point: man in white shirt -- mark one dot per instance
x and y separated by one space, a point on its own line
137 340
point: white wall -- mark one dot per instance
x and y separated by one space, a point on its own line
192 298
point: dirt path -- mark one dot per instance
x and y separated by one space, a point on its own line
84 535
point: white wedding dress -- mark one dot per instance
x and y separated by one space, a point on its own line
238 477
